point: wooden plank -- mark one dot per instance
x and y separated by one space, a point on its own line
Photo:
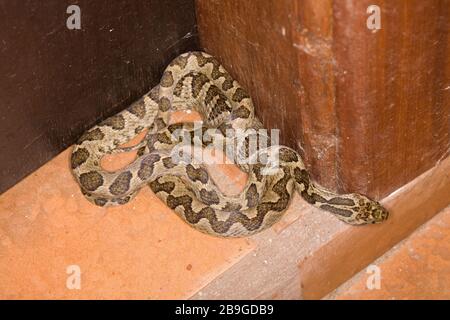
368 110
254 42
312 43
392 92
56 82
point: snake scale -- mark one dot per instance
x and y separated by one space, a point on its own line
196 81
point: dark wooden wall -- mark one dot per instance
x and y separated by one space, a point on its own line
56 82
370 111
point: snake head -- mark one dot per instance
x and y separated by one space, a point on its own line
370 211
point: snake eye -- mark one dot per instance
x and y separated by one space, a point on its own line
380 214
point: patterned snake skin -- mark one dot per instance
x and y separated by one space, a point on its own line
196 81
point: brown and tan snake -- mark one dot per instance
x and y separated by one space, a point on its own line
196 81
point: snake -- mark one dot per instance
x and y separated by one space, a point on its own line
196 81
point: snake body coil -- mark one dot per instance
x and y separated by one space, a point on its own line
197 81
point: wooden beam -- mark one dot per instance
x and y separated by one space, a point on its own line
368 110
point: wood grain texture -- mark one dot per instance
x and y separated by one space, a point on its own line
392 92
370 111
312 43
55 82
253 41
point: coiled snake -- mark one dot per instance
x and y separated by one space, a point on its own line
197 81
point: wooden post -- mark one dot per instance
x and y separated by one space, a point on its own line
369 109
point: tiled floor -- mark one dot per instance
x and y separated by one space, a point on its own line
143 250
417 268
138 250
46 226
